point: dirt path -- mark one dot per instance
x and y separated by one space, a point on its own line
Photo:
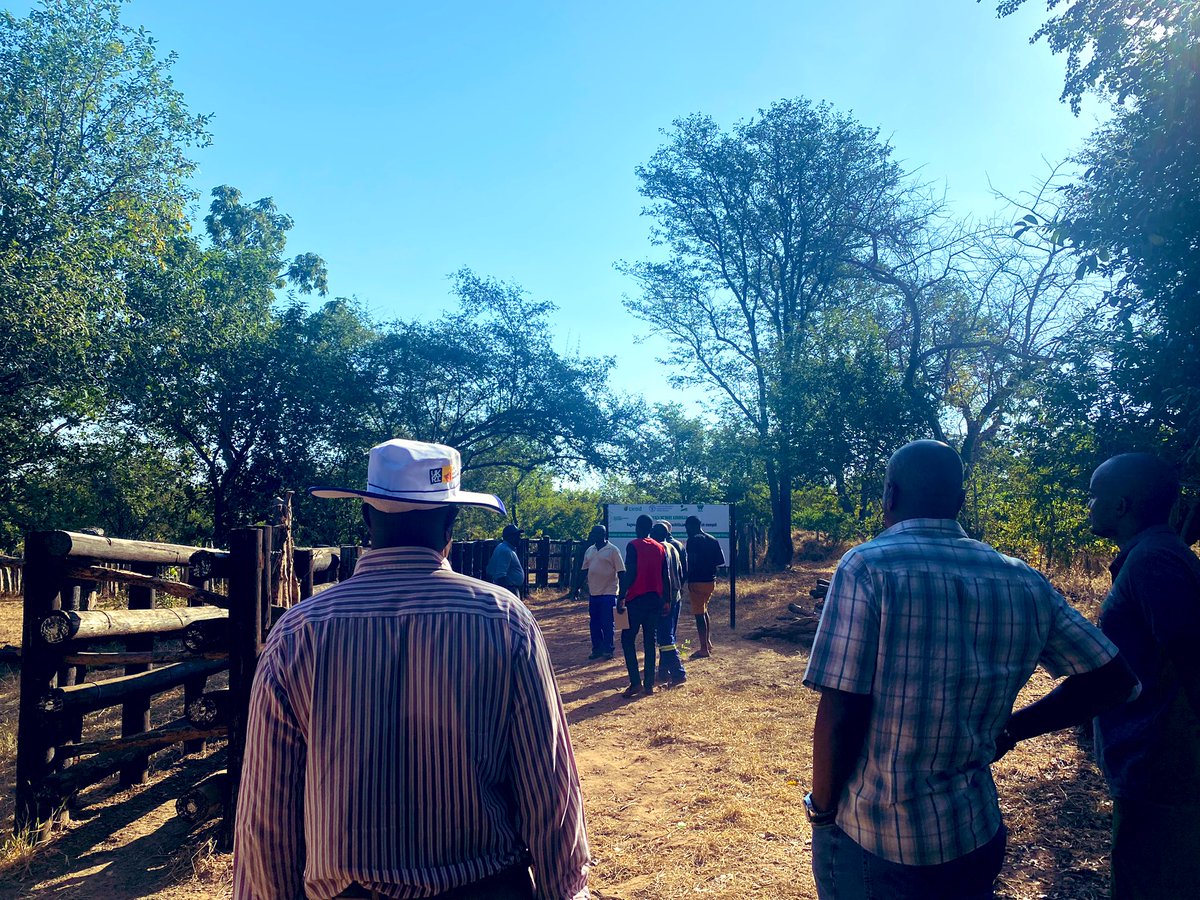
693 791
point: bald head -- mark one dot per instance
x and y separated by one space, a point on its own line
924 481
1130 493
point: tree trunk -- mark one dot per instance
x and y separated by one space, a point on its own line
779 534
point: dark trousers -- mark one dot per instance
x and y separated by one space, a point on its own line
664 633
644 611
845 871
511 884
600 611
1155 851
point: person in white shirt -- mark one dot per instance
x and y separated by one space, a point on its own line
604 564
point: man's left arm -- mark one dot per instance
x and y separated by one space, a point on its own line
268 845
546 781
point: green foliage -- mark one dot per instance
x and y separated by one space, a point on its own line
93 167
1134 215
1115 47
762 223
817 508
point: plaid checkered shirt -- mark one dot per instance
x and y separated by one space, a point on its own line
942 632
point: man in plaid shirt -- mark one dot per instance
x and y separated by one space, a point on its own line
925 639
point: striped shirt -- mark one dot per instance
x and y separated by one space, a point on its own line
406 732
942 632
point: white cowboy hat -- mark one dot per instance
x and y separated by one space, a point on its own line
407 475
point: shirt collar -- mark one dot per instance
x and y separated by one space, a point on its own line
940 527
1153 531
401 558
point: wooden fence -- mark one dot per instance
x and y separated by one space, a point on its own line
547 562
225 601
186 614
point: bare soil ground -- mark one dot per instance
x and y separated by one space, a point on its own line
693 791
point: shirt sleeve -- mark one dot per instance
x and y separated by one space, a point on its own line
268 844
1074 644
546 781
618 560
847 639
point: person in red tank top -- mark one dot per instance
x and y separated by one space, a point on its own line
642 592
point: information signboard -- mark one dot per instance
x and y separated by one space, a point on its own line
718 519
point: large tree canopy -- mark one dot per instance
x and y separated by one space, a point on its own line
93 164
761 223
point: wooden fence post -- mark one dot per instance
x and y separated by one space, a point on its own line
245 617
542 578
35 739
135 714
303 560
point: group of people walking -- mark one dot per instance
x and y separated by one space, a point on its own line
643 590
406 737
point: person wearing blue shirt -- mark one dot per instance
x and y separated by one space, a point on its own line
505 567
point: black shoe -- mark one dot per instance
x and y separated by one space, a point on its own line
648 690
630 692
595 654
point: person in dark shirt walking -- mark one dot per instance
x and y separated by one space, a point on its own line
705 556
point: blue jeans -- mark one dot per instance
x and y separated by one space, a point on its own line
845 871
600 611
672 665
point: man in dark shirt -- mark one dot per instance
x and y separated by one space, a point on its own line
1149 748
704 556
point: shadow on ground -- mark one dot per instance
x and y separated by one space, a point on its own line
92 859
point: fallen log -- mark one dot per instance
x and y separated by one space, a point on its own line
63 625
94 695
154 739
136 658
61 544
210 709
205 801
164 585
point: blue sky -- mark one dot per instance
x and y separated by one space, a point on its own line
408 140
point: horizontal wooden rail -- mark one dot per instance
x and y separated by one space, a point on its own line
156 738
164 585
323 558
62 544
64 625
94 695
137 658
57 789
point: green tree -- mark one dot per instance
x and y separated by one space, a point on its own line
487 379
1134 214
761 223
93 170
204 358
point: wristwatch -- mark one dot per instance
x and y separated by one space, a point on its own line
817 816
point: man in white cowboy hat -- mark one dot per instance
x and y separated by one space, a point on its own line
406 737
